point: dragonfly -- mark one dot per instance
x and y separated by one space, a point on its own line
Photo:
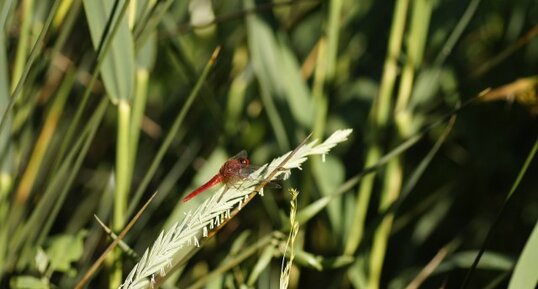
231 172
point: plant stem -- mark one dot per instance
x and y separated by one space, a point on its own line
378 121
123 180
333 34
172 133
17 90
122 164
394 173
110 30
139 103
42 143
391 190
22 43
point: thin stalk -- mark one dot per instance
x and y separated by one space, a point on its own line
42 143
89 131
321 104
123 246
151 21
22 43
142 19
514 187
333 34
235 261
458 31
104 45
274 118
453 39
403 116
139 103
123 179
326 66
354 236
45 212
318 96
319 205
65 29
36 50
378 121
223 18
172 133
80 284
122 164
6 155
391 189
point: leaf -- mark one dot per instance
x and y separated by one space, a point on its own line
65 249
41 260
266 59
490 261
6 159
330 175
525 274
117 70
295 88
426 86
309 260
263 262
28 282
523 90
277 69
147 54
357 273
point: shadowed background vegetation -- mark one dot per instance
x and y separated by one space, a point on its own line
104 102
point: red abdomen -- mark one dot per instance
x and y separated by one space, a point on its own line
213 181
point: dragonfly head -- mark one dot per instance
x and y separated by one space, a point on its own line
244 162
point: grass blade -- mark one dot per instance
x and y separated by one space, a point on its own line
118 62
173 131
34 53
525 274
515 185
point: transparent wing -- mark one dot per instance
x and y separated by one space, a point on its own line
241 155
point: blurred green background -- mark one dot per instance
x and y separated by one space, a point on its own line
99 113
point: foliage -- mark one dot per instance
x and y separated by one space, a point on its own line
103 103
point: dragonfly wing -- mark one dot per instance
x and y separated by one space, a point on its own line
241 155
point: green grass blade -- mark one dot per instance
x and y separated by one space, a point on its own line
123 165
515 185
172 133
403 117
34 53
26 183
104 44
333 35
145 61
45 213
118 63
27 8
266 64
262 263
6 154
525 274
379 118
295 88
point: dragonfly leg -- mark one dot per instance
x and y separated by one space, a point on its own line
222 194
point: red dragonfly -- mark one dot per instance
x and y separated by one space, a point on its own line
233 170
